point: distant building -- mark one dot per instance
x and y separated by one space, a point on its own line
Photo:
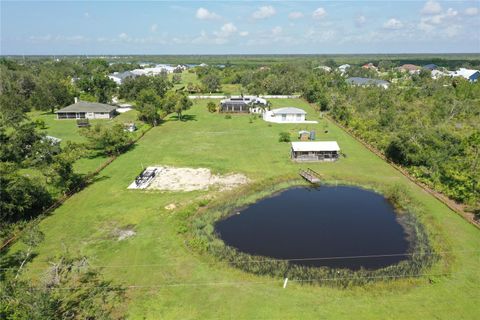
438 74
240 104
364 82
315 151
410 68
370 66
87 110
430 66
343 68
324 68
119 77
469 74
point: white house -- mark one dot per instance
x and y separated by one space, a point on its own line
343 68
324 68
469 74
286 115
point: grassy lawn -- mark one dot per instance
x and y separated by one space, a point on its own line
188 77
67 130
181 284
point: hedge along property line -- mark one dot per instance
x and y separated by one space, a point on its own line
451 204
203 237
88 179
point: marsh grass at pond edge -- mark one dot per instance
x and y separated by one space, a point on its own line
196 222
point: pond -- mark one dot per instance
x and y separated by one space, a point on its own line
325 226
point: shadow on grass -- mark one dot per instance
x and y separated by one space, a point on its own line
185 118
10 263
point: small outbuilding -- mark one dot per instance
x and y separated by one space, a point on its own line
315 151
87 110
285 115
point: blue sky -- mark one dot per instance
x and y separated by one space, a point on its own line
239 27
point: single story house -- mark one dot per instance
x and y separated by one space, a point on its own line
87 110
315 151
357 81
430 66
410 68
240 104
469 74
286 115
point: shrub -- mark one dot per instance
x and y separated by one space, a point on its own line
211 107
284 137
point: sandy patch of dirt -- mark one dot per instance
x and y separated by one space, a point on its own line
123 233
191 179
171 206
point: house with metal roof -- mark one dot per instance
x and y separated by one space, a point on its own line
119 77
315 151
365 82
87 110
469 74
240 104
286 115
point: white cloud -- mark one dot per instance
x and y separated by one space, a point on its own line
221 36
453 30
473 11
432 7
393 24
430 23
319 36
226 30
123 36
86 15
264 12
204 14
295 15
319 13
277 30
154 27
360 21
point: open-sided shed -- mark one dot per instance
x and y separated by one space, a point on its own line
315 151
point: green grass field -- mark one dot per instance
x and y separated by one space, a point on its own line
67 130
189 77
176 283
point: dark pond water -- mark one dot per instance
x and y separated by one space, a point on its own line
320 223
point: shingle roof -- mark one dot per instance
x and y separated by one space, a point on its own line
288 110
430 66
366 81
315 146
83 106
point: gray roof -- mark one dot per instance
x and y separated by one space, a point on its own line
289 110
366 81
83 106
124 75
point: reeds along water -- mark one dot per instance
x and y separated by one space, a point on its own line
418 258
